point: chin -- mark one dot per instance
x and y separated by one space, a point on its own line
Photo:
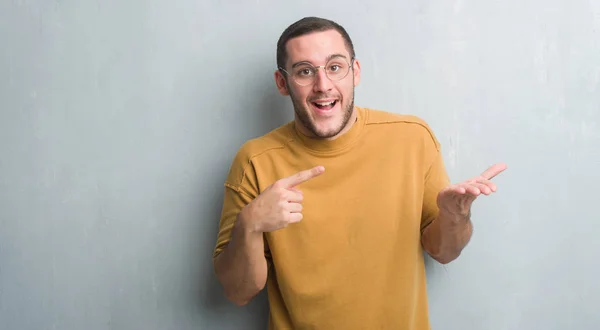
327 131
324 121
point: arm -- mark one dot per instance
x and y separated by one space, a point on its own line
446 226
240 263
445 237
241 267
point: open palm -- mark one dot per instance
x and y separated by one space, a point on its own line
456 199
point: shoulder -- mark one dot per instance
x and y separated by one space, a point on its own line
410 124
272 141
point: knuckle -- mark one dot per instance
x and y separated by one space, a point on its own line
282 203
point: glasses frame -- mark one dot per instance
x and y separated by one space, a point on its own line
317 67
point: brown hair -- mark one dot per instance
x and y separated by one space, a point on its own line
305 26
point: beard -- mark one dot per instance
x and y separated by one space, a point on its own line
302 114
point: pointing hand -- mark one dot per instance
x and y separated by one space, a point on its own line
280 204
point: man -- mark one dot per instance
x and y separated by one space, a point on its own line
332 211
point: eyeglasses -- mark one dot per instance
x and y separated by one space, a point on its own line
304 74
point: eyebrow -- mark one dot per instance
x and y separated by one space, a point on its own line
326 60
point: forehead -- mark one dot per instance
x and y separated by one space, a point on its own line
315 47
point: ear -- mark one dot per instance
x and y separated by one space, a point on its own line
281 84
356 66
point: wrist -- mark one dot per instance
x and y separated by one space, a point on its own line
456 217
246 225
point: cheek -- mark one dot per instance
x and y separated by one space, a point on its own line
346 91
300 95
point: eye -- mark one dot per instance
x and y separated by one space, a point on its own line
303 72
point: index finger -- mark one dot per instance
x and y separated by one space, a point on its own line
301 177
493 170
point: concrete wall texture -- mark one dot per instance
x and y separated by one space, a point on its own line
119 120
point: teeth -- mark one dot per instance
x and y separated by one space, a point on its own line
325 104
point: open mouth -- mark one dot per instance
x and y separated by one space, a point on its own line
328 105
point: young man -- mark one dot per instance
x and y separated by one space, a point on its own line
332 211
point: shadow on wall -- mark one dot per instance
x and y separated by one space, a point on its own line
266 111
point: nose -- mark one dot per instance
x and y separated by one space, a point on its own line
322 82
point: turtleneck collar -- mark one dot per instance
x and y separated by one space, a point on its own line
341 142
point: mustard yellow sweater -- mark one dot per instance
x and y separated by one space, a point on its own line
355 261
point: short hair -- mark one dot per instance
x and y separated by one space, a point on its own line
305 26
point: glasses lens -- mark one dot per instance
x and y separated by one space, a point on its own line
337 69
304 74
